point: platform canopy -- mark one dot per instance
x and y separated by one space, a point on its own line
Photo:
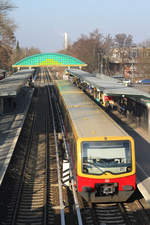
11 85
50 60
108 85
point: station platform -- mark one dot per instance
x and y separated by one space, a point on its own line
10 87
142 152
10 127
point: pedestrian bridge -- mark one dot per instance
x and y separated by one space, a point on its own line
49 60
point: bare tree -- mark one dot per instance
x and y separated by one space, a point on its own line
20 53
123 40
5 6
89 48
143 61
145 44
7 37
86 48
7 28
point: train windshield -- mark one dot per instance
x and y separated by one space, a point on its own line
106 156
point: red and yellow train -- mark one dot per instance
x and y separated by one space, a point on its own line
103 154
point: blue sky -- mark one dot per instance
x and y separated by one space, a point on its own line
42 23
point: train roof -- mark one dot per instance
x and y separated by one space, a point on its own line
88 119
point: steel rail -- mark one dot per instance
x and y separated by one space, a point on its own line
15 211
70 166
79 218
124 214
58 164
46 176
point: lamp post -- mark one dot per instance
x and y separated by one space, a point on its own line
100 54
133 56
132 69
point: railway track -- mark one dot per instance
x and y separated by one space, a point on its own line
33 179
33 191
103 214
75 215
131 213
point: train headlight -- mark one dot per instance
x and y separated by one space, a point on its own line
127 188
129 169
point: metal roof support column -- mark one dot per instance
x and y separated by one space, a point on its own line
1 105
148 108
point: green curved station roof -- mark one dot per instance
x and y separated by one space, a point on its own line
49 59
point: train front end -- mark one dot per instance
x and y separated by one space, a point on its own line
106 169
